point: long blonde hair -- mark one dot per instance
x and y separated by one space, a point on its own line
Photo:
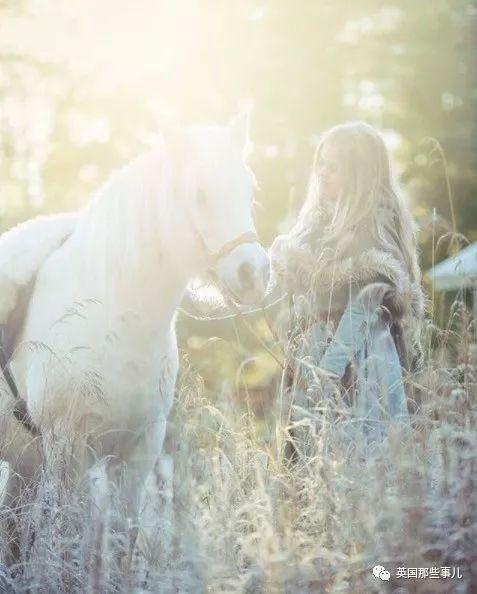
369 195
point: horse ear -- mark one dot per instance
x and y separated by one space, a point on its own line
238 129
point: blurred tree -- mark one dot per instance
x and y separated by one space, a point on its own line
407 67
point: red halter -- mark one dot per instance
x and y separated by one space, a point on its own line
248 237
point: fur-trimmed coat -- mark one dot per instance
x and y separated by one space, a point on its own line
328 278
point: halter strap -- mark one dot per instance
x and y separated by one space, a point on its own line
214 257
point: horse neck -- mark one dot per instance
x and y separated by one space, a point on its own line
137 239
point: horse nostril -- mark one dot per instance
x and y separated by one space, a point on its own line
246 275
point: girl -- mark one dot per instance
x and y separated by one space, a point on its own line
351 264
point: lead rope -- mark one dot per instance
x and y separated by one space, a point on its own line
239 314
230 316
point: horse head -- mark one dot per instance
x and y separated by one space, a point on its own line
218 195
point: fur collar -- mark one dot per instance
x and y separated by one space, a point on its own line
299 271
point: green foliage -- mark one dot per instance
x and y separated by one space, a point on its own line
81 101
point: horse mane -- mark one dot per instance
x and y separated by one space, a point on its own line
130 217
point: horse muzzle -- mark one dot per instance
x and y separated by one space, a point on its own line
245 272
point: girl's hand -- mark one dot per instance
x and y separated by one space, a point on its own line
278 246
278 255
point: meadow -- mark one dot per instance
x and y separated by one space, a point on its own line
236 516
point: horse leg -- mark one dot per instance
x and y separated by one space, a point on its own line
17 536
130 477
9 544
18 476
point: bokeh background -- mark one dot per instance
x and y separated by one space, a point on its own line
87 84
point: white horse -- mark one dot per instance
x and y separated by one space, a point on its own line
96 359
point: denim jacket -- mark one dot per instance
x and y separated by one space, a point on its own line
363 339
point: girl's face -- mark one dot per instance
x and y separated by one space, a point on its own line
329 173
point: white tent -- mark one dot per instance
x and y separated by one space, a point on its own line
458 272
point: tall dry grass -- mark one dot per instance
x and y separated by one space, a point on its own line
244 519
